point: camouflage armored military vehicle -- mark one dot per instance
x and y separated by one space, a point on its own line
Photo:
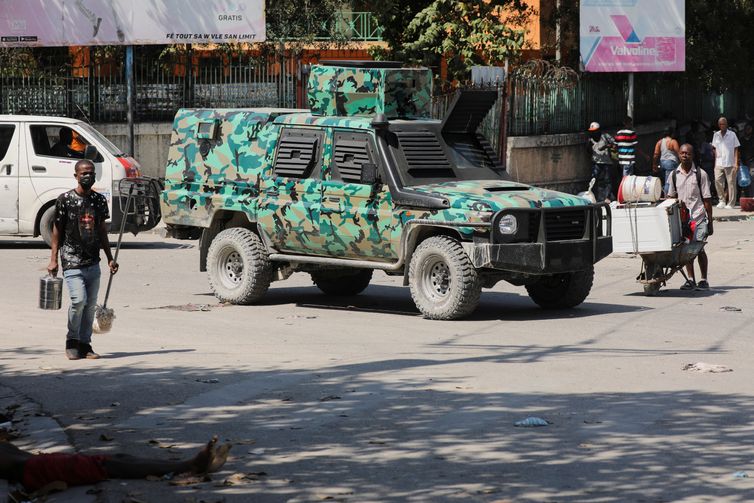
365 180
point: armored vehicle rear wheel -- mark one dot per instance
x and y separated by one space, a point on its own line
560 291
443 281
342 283
239 269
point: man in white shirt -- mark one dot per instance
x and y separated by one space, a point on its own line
726 146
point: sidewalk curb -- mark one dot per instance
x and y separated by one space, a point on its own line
733 218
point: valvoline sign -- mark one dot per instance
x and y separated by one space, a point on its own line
633 35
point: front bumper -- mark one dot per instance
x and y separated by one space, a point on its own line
555 240
542 258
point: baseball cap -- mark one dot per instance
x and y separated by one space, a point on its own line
594 126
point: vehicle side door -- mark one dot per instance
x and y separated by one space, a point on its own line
9 176
52 171
357 219
289 209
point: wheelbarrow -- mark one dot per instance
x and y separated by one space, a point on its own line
658 267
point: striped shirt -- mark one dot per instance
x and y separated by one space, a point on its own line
626 141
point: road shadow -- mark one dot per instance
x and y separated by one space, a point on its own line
378 435
396 300
38 244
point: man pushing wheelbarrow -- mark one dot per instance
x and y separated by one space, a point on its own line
690 185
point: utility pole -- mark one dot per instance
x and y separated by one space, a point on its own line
630 104
130 97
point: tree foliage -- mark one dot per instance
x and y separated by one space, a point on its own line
465 32
300 23
718 43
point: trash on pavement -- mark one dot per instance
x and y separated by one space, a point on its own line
741 475
732 309
531 422
707 368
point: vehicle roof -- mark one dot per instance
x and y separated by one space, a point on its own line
38 118
307 119
259 110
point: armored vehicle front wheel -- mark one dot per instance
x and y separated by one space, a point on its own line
442 279
239 268
342 283
560 291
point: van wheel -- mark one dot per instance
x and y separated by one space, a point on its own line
560 291
442 279
46 223
342 283
238 266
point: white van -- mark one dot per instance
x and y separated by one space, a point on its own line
37 159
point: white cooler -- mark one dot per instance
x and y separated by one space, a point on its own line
646 227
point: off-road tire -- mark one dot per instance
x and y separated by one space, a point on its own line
238 266
561 291
342 283
45 225
442 279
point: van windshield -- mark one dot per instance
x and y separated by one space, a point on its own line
107 144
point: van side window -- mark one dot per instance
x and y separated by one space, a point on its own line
299 153
6 135
57 141
352 151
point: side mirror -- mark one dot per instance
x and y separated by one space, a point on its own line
90 152
369 174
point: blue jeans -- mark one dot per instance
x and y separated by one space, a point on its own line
83 286
628 169
666 171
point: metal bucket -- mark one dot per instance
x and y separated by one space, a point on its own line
50 292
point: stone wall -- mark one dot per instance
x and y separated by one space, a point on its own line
563 162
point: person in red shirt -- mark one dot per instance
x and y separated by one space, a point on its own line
36 471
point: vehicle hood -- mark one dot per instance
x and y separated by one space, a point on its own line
495 195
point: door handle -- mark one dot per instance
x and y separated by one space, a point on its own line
39 169
8 169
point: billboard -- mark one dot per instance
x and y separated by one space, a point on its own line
633 35
129 22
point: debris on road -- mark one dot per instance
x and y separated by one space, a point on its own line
707 368
532 422
741 475
208 381
732 309
190 307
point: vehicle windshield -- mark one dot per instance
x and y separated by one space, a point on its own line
109 146
425 155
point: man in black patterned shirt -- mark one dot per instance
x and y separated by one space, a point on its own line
79 233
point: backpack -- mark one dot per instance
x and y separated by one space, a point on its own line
698 182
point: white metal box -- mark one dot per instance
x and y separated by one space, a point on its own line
646 227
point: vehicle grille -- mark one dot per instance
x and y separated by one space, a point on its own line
563 225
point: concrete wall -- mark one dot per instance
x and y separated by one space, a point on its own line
151 143
563 162
558 161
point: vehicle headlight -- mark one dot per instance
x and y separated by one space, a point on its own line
507 225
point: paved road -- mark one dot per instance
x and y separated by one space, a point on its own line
363 400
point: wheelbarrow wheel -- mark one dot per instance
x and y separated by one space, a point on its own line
651 271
